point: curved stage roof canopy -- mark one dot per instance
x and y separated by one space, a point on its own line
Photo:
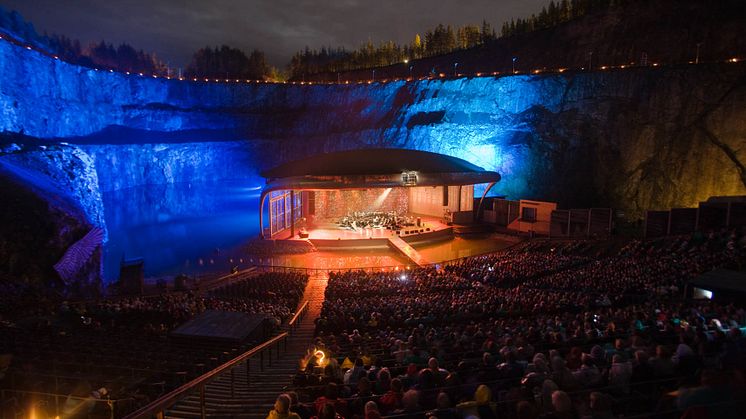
369 168
373 168
372 162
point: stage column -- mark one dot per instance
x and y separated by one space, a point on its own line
292 213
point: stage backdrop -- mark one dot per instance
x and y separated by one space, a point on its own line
331 205
428 200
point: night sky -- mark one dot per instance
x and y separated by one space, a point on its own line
174 29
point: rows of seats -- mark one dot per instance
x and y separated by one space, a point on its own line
544 329
88 353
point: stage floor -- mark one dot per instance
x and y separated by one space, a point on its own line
332 231
459 247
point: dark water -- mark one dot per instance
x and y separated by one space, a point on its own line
179 228
200 228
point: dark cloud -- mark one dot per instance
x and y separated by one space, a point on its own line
174 29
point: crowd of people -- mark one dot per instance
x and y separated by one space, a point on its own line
544 329
120 348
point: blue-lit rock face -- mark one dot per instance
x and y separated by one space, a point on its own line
632 139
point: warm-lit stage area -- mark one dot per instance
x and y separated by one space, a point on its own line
333 231
378 198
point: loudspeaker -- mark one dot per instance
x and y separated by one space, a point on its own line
445 196
132 277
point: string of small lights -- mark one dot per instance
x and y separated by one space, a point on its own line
7 38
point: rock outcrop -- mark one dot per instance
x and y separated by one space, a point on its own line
633 139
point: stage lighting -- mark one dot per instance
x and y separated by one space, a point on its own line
409 178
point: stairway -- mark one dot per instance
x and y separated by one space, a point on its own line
256 400
408 251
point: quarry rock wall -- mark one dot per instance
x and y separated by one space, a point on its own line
633 139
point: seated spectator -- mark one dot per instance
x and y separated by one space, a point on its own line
302 410
641 368
331 397
620 375
371 411
410 406
392 399
439 374
481 406
588 375
662 364
282 409
354 373
600 407
562 405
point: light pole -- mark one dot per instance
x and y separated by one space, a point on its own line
410 71
514 60
455 65
374 76
696 58
590 61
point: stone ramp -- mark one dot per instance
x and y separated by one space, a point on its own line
255 399
408 251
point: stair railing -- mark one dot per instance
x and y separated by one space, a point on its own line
293 323
157 408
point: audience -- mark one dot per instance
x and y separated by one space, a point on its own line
544 329
121 346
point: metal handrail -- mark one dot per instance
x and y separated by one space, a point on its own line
167 400
299 314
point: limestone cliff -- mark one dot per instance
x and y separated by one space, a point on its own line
633 139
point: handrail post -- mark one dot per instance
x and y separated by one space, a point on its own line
248 373
269 358
199 383
202 401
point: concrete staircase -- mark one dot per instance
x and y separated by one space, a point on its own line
408 251
256 399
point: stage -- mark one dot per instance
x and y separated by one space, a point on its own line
330 230
329 235
372 198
